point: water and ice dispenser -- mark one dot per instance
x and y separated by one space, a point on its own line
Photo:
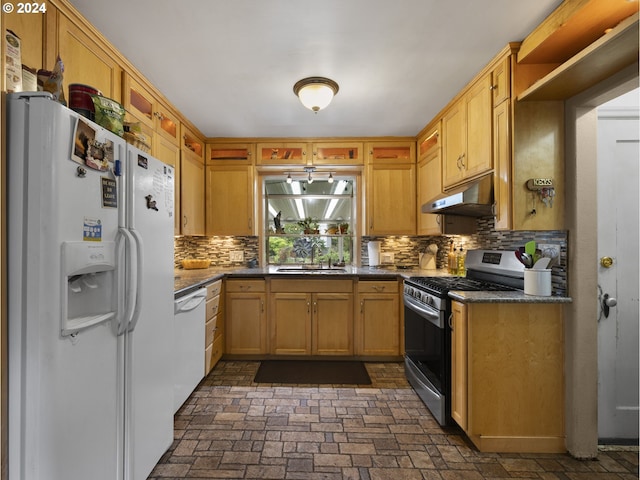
88 296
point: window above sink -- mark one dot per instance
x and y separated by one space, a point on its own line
309 223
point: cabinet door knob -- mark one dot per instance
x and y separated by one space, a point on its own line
493 87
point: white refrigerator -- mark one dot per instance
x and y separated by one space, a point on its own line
90 298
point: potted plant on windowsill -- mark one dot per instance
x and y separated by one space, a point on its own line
309 226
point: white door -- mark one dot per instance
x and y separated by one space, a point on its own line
618 223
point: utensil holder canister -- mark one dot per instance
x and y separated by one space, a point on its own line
537 282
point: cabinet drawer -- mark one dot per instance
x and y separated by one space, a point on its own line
245 285
214 289
216 350
213 307
210 330
312 286
219 330
377 286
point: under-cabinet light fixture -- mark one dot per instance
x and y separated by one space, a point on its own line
330 180
315 93
310 170
289 179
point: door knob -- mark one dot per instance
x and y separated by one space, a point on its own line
606 262
607 303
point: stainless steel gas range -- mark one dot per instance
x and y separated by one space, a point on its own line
427 308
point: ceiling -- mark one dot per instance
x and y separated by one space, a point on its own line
229 66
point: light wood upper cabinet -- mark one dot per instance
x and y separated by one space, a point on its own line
391 152
229 200
501 81
230 153
85 60
391 199
145 108
390 190
191 142
337 153
502 179
286 153
30 29
139 102
467 135
192 177
169 153
429 179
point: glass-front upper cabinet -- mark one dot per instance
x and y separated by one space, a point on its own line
309 222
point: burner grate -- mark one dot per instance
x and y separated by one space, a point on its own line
442 285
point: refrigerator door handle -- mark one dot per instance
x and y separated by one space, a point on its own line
129 290
138 292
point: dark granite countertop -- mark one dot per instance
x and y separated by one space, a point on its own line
517 296
187 281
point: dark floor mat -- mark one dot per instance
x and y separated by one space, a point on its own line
312 372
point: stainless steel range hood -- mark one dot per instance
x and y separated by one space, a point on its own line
472 200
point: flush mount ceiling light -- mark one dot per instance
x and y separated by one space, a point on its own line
315 93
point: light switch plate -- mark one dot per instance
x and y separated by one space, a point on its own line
236 256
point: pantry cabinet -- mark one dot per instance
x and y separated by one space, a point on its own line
507 363
378 329
311 317
466 127
246 317
214 326
229 200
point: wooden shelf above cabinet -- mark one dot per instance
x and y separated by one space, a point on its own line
572 27
604 57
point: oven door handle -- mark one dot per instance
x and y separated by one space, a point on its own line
424 311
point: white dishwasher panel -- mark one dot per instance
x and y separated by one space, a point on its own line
189 343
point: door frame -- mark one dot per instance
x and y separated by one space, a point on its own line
581 326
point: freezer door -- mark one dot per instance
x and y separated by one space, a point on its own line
65 391
149 338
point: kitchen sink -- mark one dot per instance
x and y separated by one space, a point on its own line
311 269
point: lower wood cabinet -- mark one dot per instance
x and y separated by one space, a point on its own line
378 320
246 317
311 317
507 364
214 326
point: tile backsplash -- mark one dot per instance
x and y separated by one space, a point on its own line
406 249
216 249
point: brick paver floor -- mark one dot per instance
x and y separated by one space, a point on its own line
233 428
